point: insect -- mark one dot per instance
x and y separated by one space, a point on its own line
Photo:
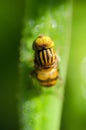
45 61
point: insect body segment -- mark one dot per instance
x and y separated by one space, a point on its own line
47 78
45 57
45 61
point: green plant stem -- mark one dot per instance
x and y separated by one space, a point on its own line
40 108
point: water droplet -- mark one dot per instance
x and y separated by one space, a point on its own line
31 22
54 24
36 29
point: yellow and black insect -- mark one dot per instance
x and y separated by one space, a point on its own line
45 61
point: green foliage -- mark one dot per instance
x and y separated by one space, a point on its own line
74 111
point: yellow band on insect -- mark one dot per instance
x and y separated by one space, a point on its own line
43 42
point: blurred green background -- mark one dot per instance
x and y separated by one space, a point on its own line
74 112
11 14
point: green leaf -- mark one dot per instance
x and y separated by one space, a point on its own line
40 108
